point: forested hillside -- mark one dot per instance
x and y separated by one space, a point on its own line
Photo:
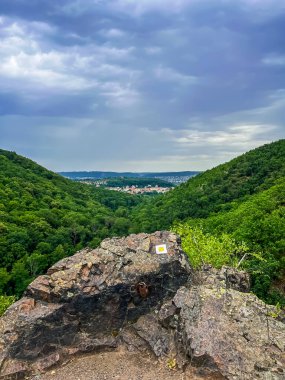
214 190
232 214
44 217
258 226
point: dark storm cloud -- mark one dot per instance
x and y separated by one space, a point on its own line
185 82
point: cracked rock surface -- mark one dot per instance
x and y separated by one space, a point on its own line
125 296
84 301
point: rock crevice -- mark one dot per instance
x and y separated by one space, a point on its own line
126 293
83 301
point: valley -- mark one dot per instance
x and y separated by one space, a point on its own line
239 204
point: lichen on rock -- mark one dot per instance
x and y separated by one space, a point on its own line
83 299
123 293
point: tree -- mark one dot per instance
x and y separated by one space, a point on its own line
36 263
58 254
4 279
20 277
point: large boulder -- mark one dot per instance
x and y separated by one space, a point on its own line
84 301
217 326
231 332
129 292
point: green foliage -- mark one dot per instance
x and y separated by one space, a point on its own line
243 199
215 190
4 279
58 253
233 210
263 274
21 277
5 302
204 248
259 222
45 217
276 313
36 263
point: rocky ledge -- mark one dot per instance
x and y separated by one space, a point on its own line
140 292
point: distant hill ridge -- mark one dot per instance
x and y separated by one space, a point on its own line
106 174
45 217
214 190
244 200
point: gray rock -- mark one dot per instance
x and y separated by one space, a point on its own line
226 277
85 300
231 332
220 329
155 335
123 293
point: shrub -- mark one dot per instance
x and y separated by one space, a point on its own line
5 302
204 248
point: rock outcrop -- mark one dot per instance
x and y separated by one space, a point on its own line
221 329
85 300
218 326
124 293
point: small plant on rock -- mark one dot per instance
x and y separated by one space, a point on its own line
171 363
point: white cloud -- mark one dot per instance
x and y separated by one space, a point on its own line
262 10
27 61
242 136
75 8
45 69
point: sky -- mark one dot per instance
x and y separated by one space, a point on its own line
140 85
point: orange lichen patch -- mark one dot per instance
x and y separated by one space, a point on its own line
84 273
27 305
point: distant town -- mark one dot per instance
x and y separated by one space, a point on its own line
135 190
132 183
176 179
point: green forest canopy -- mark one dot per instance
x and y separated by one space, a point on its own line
259 224
44 217
243 198
214 190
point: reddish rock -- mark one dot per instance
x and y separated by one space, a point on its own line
14 369
85 300
27 305
47 362
123 293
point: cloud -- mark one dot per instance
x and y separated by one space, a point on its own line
31 61
23 58
45 69
147 84
234 136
